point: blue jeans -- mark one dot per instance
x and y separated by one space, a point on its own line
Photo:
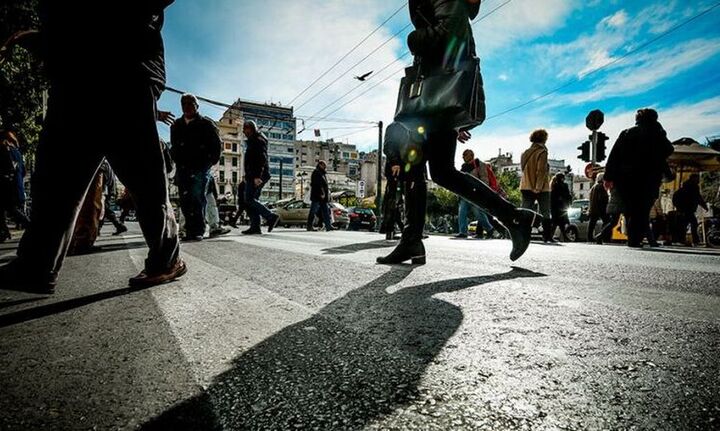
255 208
480 216
316 206
192 186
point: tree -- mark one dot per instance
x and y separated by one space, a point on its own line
22 81
510 182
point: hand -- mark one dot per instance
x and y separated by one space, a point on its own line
257 182
166 117
395 170
537 191
464 136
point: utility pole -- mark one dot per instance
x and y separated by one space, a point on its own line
378 193
281 175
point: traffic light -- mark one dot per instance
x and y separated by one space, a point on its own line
600 152
584 151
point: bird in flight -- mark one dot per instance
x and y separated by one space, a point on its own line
363 77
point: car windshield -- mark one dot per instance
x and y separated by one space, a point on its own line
363 211
574 213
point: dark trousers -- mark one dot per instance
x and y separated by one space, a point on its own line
606 231
593 222
68 156
255 208
688 218
529 198
192 186
438 150
637 217
324 210
110 215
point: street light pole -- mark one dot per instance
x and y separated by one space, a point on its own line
378 193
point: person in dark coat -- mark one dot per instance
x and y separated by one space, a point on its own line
257 174
635 169
686 200
132 48
560 201
110 191
319 197
195 147
7 185
392 201
12 184
442 35
597 210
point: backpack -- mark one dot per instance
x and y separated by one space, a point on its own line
492 180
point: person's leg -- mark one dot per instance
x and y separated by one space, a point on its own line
440 153
4 230
110 215
140 166
543 199
327 218
694 228
483 222
314 206
67 156
591 227
462 217
212 216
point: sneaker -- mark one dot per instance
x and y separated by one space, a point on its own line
120 230
148 279
192 238
252 231
460 235
272 222
12 277
219 231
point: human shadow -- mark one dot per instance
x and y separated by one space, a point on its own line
354 248
107 248
357 359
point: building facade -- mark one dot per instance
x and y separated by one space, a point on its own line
278 124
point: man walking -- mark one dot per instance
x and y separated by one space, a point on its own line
195 148
319 197
686 200
257 174
479 170
133 49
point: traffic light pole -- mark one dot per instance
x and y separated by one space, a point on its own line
593 147
378 193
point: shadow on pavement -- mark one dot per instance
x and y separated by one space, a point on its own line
353 248
8 304
703 252
357 359
61 306
106 248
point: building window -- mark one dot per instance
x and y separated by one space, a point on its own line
222 176
581 186
228 146
235 161
234 148
222 190
222 161
234 178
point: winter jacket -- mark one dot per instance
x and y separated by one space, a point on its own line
535 169
319 189
688 197
638 160
560 199
195 146
598 201
478 169
256 159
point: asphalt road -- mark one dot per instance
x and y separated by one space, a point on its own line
302 330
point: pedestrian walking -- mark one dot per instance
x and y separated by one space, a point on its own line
257 174
212 213
110 192
686 200
319 197
12 184
560 201
87 224
241 208
535 183
635 168
392 201
195 147
479 170
132 48
442 37
597 209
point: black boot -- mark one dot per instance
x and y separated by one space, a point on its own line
518 221
411 246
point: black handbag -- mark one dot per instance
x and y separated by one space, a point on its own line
450 95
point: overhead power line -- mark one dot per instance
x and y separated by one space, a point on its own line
608 64
348 53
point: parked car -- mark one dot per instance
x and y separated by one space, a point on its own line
578 229
295 213
361 218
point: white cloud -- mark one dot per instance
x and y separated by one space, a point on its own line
503 77
619 19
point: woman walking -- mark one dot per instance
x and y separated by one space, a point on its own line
534 184
560 200
442 40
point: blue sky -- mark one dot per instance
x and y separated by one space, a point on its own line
270 50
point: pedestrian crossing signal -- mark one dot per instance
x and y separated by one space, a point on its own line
600 151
